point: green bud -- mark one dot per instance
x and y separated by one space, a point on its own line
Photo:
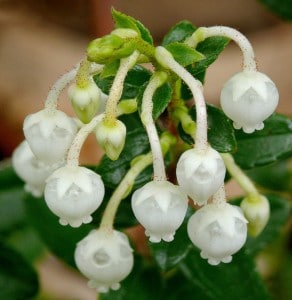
167 140
85 100
128 106
111 137
125 33
108 48
256 209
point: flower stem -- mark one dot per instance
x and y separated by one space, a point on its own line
147 108
219 198
138 164
249 63
235 171
117 87
165 58
51 102
74 151
83 74
124 186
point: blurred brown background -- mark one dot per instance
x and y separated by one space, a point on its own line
42 39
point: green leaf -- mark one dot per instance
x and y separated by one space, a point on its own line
12 214
236 280
266 146
184 54
277 176
110 69
143 283
18 280
168 255
220 131
112 172
161 99
282 8
210 48
134 81
123 21
61 240
280 212
179 32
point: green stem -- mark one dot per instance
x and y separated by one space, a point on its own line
235 171
124 186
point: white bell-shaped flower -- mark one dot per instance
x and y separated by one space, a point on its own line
111 138
85 100
73 194
49 134
160 207
248 98
105 258
200 173
32 171
218 231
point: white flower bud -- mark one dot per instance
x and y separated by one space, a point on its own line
160 207
73 194
32 171
248 98
218 231
85 100
105 258
49 134
200 173
111 138
256 209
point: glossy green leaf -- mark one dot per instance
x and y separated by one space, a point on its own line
210 48
277 176
280 212
123 21
18 280
110 69
135 79
220 131
143 283
282 8
168 255
184 54
161 99
266 146
179 32
236 280
61 240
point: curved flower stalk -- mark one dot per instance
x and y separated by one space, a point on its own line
72 192
248 97
159 205
200 171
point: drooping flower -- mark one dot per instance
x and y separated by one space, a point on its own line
31 170
49 134
200 173
105 258
73 194
160 207
218 231
248 98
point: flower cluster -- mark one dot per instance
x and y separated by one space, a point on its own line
48 159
